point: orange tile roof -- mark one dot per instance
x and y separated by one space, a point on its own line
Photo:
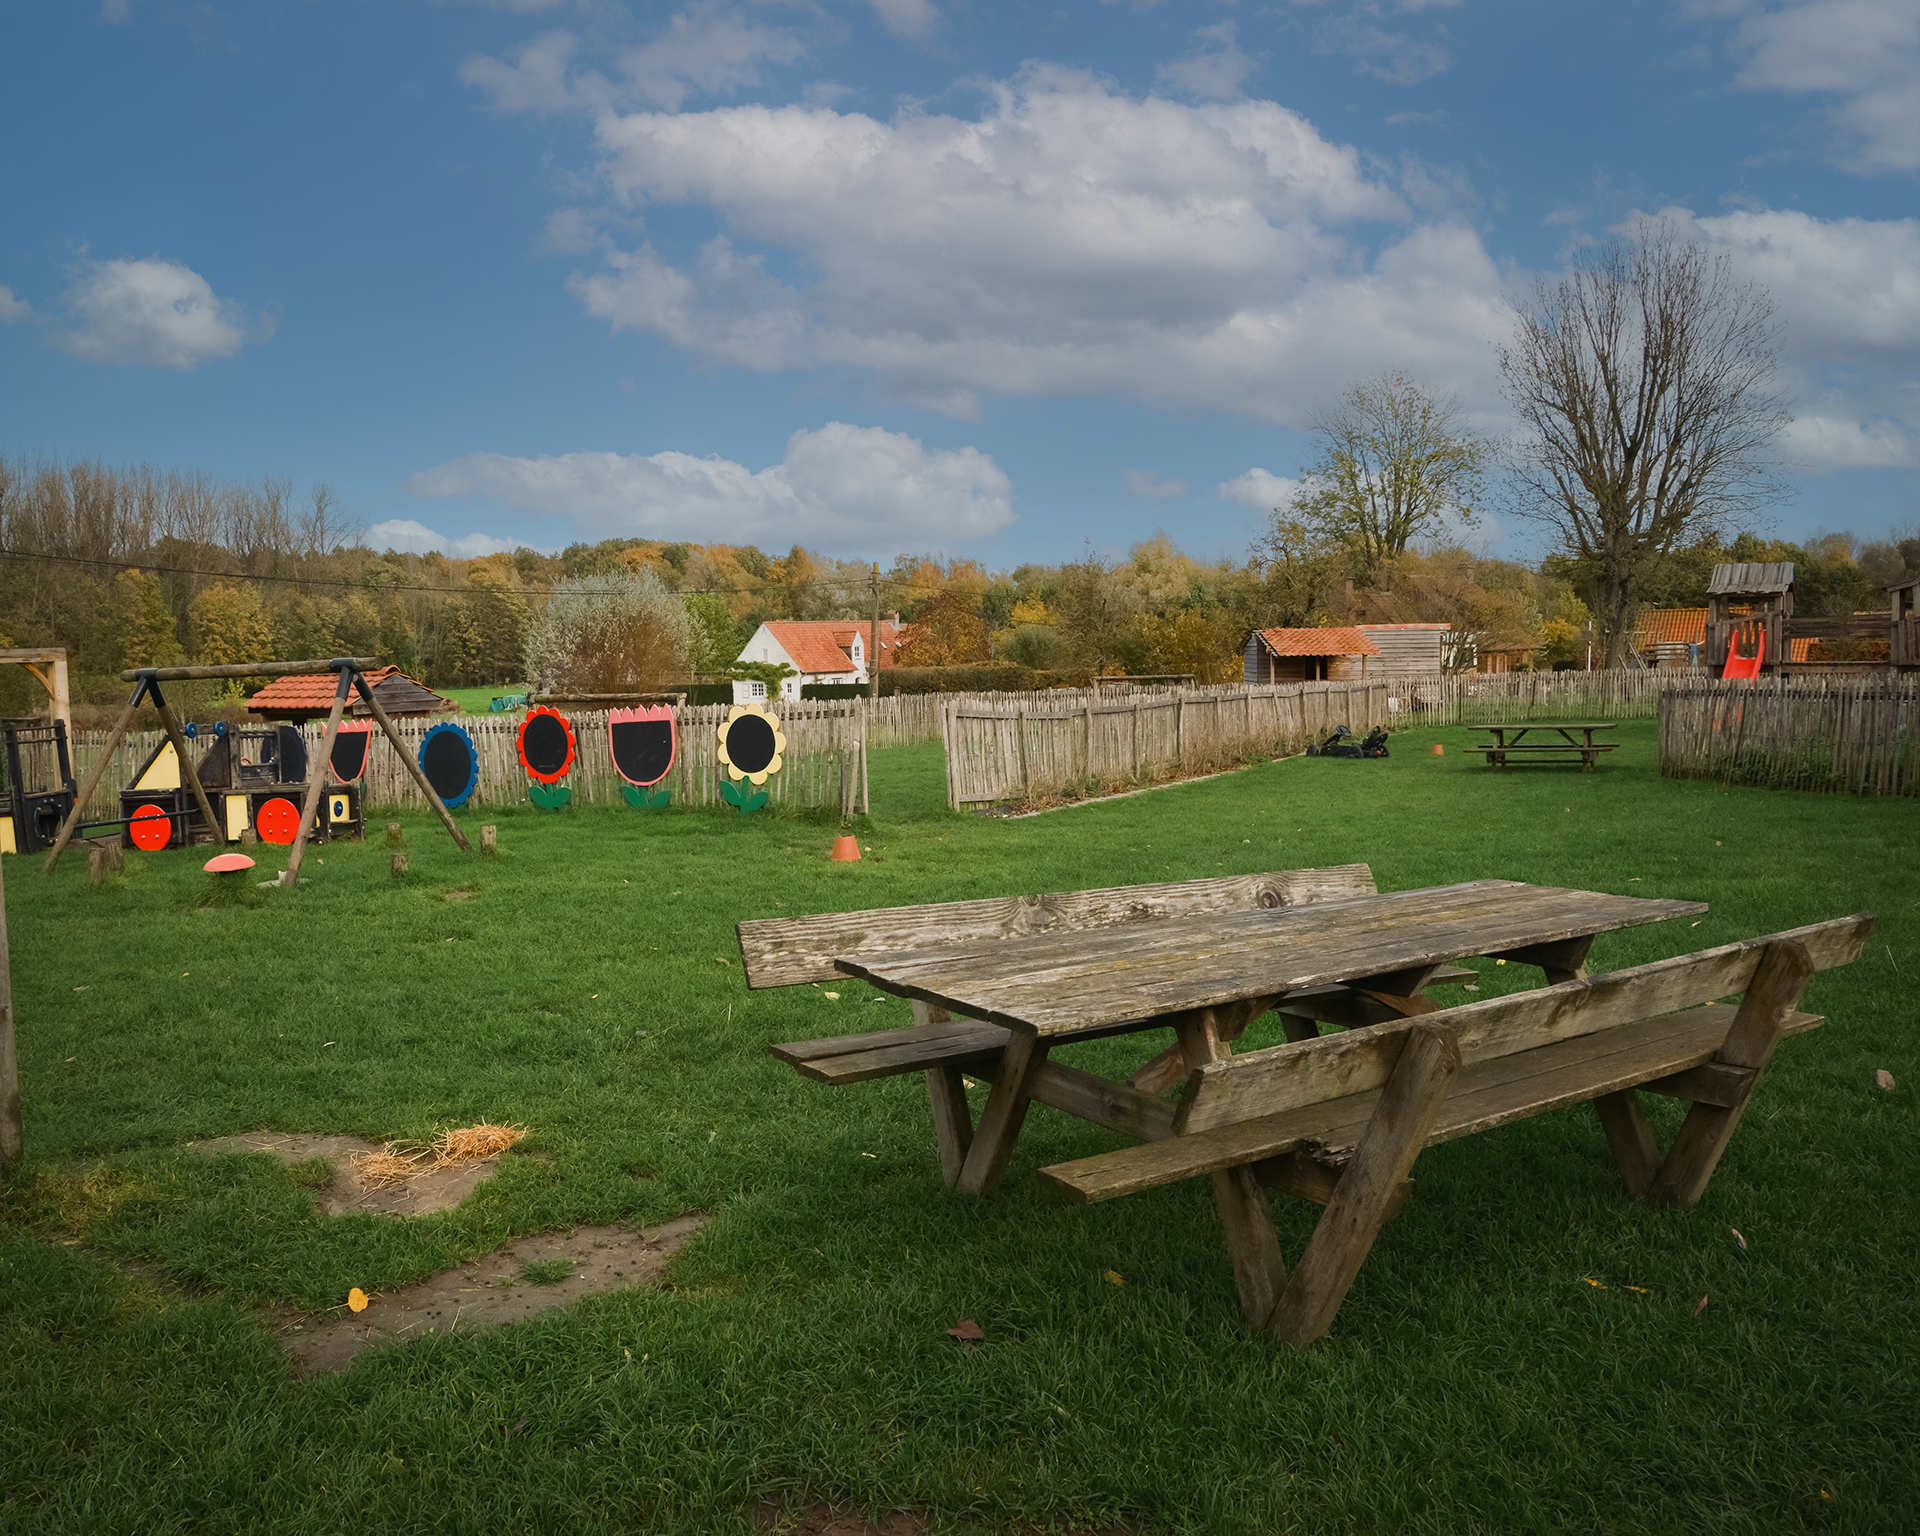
1670 626
313 691
826 645
1318 642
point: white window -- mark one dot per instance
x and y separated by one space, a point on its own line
759 690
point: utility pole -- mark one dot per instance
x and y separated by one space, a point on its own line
873 639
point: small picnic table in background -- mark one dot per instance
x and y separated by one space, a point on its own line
1507 742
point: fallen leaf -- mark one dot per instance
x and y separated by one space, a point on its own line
834 995
1594 1283
519 1424
186 973
1701 1307
70 1058
1737 1237
1884 1078
1499 962
82 989
357 1299
966 1330
330 1042
1640 1288
1470 987
1696 925
1634 881
1114 1277
869 1154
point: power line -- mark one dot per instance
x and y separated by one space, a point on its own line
366 586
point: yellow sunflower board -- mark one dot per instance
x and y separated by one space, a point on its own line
751 744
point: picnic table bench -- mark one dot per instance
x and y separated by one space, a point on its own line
1337 1120
1508 742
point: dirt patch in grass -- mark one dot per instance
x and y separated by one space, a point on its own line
438 1189
802 1519
494 1289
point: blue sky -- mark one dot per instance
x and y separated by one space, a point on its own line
904 275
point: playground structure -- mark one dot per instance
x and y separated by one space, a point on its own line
192 792
1751 626
257 777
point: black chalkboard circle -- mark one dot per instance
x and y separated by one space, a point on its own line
348 758
546 744
450 764
750 744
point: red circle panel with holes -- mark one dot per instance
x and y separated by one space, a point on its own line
278 820
152 828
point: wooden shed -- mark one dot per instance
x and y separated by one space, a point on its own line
1307 655
1408 647
310 697
1904 636
1749 594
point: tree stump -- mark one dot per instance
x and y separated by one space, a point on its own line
96 865
393 834
399 863
487 843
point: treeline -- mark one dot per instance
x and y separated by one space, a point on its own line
133 566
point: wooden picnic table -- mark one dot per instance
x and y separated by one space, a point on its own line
1507 742
1207 977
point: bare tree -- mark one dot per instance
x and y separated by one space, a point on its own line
1395 463
1642 383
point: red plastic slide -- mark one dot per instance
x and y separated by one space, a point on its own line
1746 666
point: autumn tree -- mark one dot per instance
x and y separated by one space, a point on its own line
144 632
1396 464
1099 611
623 632
945 632
226 626
1642 383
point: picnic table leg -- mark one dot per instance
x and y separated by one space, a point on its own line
1002 1116
1253 1245
1624 1120
1757 1028
947 1094
1367 1190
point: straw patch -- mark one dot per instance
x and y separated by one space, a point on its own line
475 1141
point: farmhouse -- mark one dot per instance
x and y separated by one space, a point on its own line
819 650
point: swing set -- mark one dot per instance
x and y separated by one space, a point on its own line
146 687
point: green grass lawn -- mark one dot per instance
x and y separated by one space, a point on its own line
478 701
591 989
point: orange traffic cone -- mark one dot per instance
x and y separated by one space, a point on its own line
846 849
1438 750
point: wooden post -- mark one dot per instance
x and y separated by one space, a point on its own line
1003 1114
12 1129
398 863
406 757
1771 998
317 773
187 771
1253 1246
1369 1186
393 834
94 775
488 839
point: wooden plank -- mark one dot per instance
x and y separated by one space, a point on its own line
952 1120
1309 1178
1713 1083
1488 1094
1003 1115
1347 1228
1253 1247
245 669
1113 1105
1052 983
967 1032
784 952
1623 1119
1757 1028
1284 1076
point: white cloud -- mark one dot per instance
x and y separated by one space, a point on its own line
417 539
912 21
1147 484
1258 489
536 80
153 313
843 487
709 47
1071 240
1398 57
1213 69
1849 291
1863 54
12 309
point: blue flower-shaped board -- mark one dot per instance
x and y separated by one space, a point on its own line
451 764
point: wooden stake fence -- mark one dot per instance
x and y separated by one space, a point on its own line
1851 735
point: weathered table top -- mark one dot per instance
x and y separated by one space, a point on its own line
1050 985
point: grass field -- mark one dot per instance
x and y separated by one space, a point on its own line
591 988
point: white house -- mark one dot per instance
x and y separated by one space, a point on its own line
819 650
